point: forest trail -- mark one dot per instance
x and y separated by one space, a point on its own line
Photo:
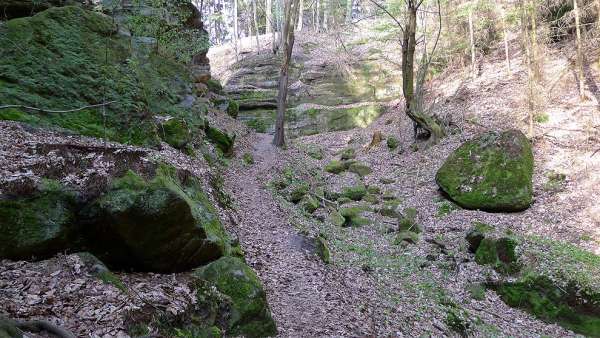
307 297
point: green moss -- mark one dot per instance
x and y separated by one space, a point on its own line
370 198
248 159
108 277
315 152
310 204
476 234
392 142
491 172
384 180
499 253
352 216
89 64
373 189
323 249
554 180
220 139
569 308
360 169
175 132
38 225
406 237
8 329
336 218
476 291
444 208
298 192
249 312
233 108
214 86
355 193
259 125
348 154
335 167
144 221
408 221
458 320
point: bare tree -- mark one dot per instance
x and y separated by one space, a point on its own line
300 16
579 51
254 19
505 35
472 41
290 16
235 29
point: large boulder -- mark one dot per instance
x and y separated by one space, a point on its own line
36 225
249 311
163 225
492 172
20 8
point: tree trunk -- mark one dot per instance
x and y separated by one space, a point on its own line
268 16
318 24
408 86
235 29
325 15
472 41
300 16
291 14
505 33
537 69
528 42
349 5
579 52
254 19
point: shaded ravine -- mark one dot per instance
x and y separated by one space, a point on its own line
307 297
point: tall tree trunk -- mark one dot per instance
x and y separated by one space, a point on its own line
531 78
291 14
505 33
300 16
325 15
579 52
255 20
318 24
537 69
349 5
420 118
472 41
268 16
235 29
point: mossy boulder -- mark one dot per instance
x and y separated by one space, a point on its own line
335 167
38 225
336 218
498 252
360 169
322 249
175 132
409 237
220 139
492 172
476 234
233 108
249 311
165 224
407 221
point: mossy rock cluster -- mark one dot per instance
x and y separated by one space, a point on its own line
340 166
68 57
494 249
137 223
492 172
568 306
249 313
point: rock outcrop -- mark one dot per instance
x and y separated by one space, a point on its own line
249 312
492 172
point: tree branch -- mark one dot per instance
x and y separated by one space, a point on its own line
389 14
56 111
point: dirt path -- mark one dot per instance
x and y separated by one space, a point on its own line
307 297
